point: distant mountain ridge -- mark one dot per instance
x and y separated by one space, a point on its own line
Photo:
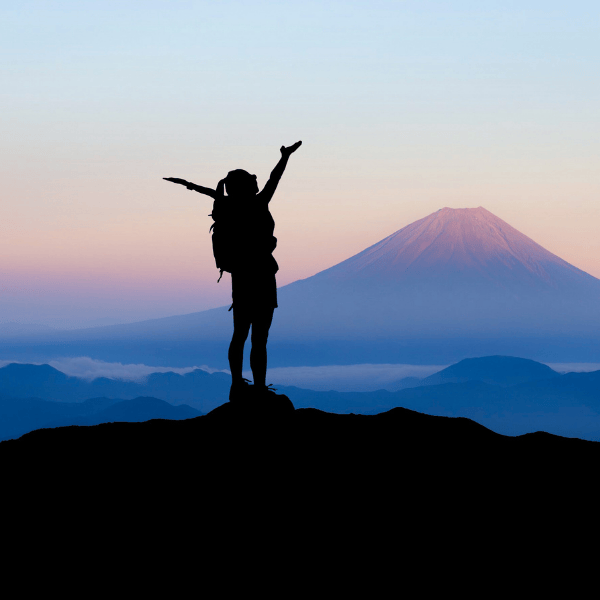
206 391
495 370
506 394
202 390
19 416
568 405
136 410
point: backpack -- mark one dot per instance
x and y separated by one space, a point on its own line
233 233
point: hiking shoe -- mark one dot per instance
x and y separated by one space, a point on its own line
270 402
264 392
240 388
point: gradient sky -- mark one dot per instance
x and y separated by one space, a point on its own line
404 107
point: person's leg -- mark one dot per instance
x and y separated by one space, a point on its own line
241 327
258 355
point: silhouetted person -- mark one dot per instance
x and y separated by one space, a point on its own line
243 244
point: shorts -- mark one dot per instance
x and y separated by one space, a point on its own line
253 290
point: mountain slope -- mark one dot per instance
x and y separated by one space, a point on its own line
458 272
459 282
469 242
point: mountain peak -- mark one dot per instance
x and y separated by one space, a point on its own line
495 370
469 243
463 210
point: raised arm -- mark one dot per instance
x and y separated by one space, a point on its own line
199 188
277 172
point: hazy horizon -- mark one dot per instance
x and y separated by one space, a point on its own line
477 213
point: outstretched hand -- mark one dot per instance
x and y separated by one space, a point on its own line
290 149
175 180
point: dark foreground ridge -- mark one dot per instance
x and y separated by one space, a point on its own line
265 485
265 444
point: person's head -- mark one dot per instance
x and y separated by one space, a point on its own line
240 183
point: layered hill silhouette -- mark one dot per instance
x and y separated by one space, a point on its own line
509 395
197 388
512 396
458 282
22 415
457 272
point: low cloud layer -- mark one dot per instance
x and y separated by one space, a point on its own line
366 378
335 377
88 368
348 378
574 367
342 378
